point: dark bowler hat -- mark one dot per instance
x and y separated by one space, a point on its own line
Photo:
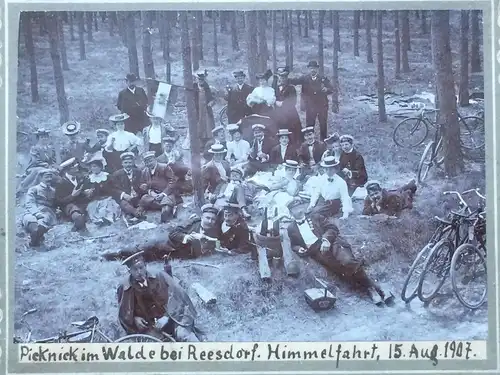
266 75
131 77
239 73
283 71
133 259
329 162
313 64
210 208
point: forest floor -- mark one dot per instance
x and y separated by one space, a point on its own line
70 282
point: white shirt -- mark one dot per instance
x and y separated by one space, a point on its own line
240 87
131 90
311 151
259 145
283 151
72 179
122 141
239 149
155 134
172 156
221 169
262 94
229 189
336 189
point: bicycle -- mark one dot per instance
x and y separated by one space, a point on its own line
434 152
471 258
411 283
223 116
418 128
439 260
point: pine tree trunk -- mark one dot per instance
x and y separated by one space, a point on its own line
463 93
96 26
89 26
62 44
299 26
234 31
306 25
274 32
442 58
336 29
357 17
71 26
423 23
382 116
133 59
111 26
81 34
30 50
286 37
52 21
403 46
310 19
369 49
475 54
194 141
263 49
195 55
216 53
122 27
223 21
290 31
252 49
321 62
397 42
43 23
147 51
335 68
330 18
199 31
166 32
405 30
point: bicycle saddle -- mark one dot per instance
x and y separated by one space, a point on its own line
92 321
442 220
460 214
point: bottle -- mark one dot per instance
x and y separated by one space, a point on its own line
263 225
167 267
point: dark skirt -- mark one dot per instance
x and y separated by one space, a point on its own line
157 148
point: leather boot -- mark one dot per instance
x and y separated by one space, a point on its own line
78 221
166 214
375 297
35 237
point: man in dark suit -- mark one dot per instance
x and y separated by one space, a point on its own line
159 182
234 232
315 91
219 137
133 101
236 98
310 151
319 238
261 146
69 195
199 236
128 188
283 151
388 202
215 172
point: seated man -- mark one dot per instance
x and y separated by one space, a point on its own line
126 189
159 183
332 190
224 190
318 237
258 159
388 202
219 138
199 236
352 164
310 152
284 150
234 232
40 213
143 299
215 172
69 195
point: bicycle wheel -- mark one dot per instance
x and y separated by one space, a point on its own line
410 132
426 162
223 116
472 132
410 286
468 276
22 138
436 270
138 338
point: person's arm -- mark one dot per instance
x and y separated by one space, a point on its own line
119 102
331 231
271 98
315 194
63 200
30 200
359 170
344 198
328 85
368 207
108 146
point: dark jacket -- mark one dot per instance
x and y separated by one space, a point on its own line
275 155
211 177
63 190
356 164
267 145
311 93
121 184
101 189
286 116
162 180
318 149
135 105
237 107
391 203
237 237
195 248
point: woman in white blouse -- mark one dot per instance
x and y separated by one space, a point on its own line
120 141
237 148
263 97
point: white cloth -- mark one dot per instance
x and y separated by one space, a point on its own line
72 179
262 95
122 141
239 149
100 177
283 151
307 234
131 90
336 189
229 190
155 135
225 227
311 152
221 169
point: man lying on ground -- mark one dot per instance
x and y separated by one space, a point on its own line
388 202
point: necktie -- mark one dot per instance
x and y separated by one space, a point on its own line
330 180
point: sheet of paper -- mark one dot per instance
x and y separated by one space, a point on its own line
307 234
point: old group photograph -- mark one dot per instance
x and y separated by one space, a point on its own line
250 175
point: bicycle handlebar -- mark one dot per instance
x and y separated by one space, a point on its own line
462 202
476 190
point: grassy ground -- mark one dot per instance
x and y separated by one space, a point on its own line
70 282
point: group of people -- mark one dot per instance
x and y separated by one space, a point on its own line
103 181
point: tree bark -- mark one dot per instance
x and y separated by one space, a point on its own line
90 37
357 16
62 44
122 27
397 42
71 26
335 69
442 59
30 50
286 35
382 116
299 26
423 23
475 54
147 51
96 26
81 34
330 18
274 32
405 30
290 31
111 26
195 53
224 15
463 92
166 33
133 58
194 141
404 43
369 49
321 59
52 18
216 52
252 48
263 49
199 31
336 29
310 19
234 32
306 25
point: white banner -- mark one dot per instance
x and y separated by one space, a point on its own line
259 351
162 98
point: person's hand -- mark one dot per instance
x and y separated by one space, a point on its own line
309 209
160 323
279 104
159 197
301 250
88 192
143 186
380 217
196 236
325 246
140 323
76 192
126 197
324 89
344 217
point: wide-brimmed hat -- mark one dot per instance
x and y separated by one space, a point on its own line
283 71
71 127
335 137
119 118
148 155
99 160
217 149
133 259
283 132
266 75
202 73
347 137
329 162
127 155
258 127
71 162
373 185
102 131
131 77
313 64
291 164
209 207
45 171
41 131
231 128
309 129
169 139
217 129
239 73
